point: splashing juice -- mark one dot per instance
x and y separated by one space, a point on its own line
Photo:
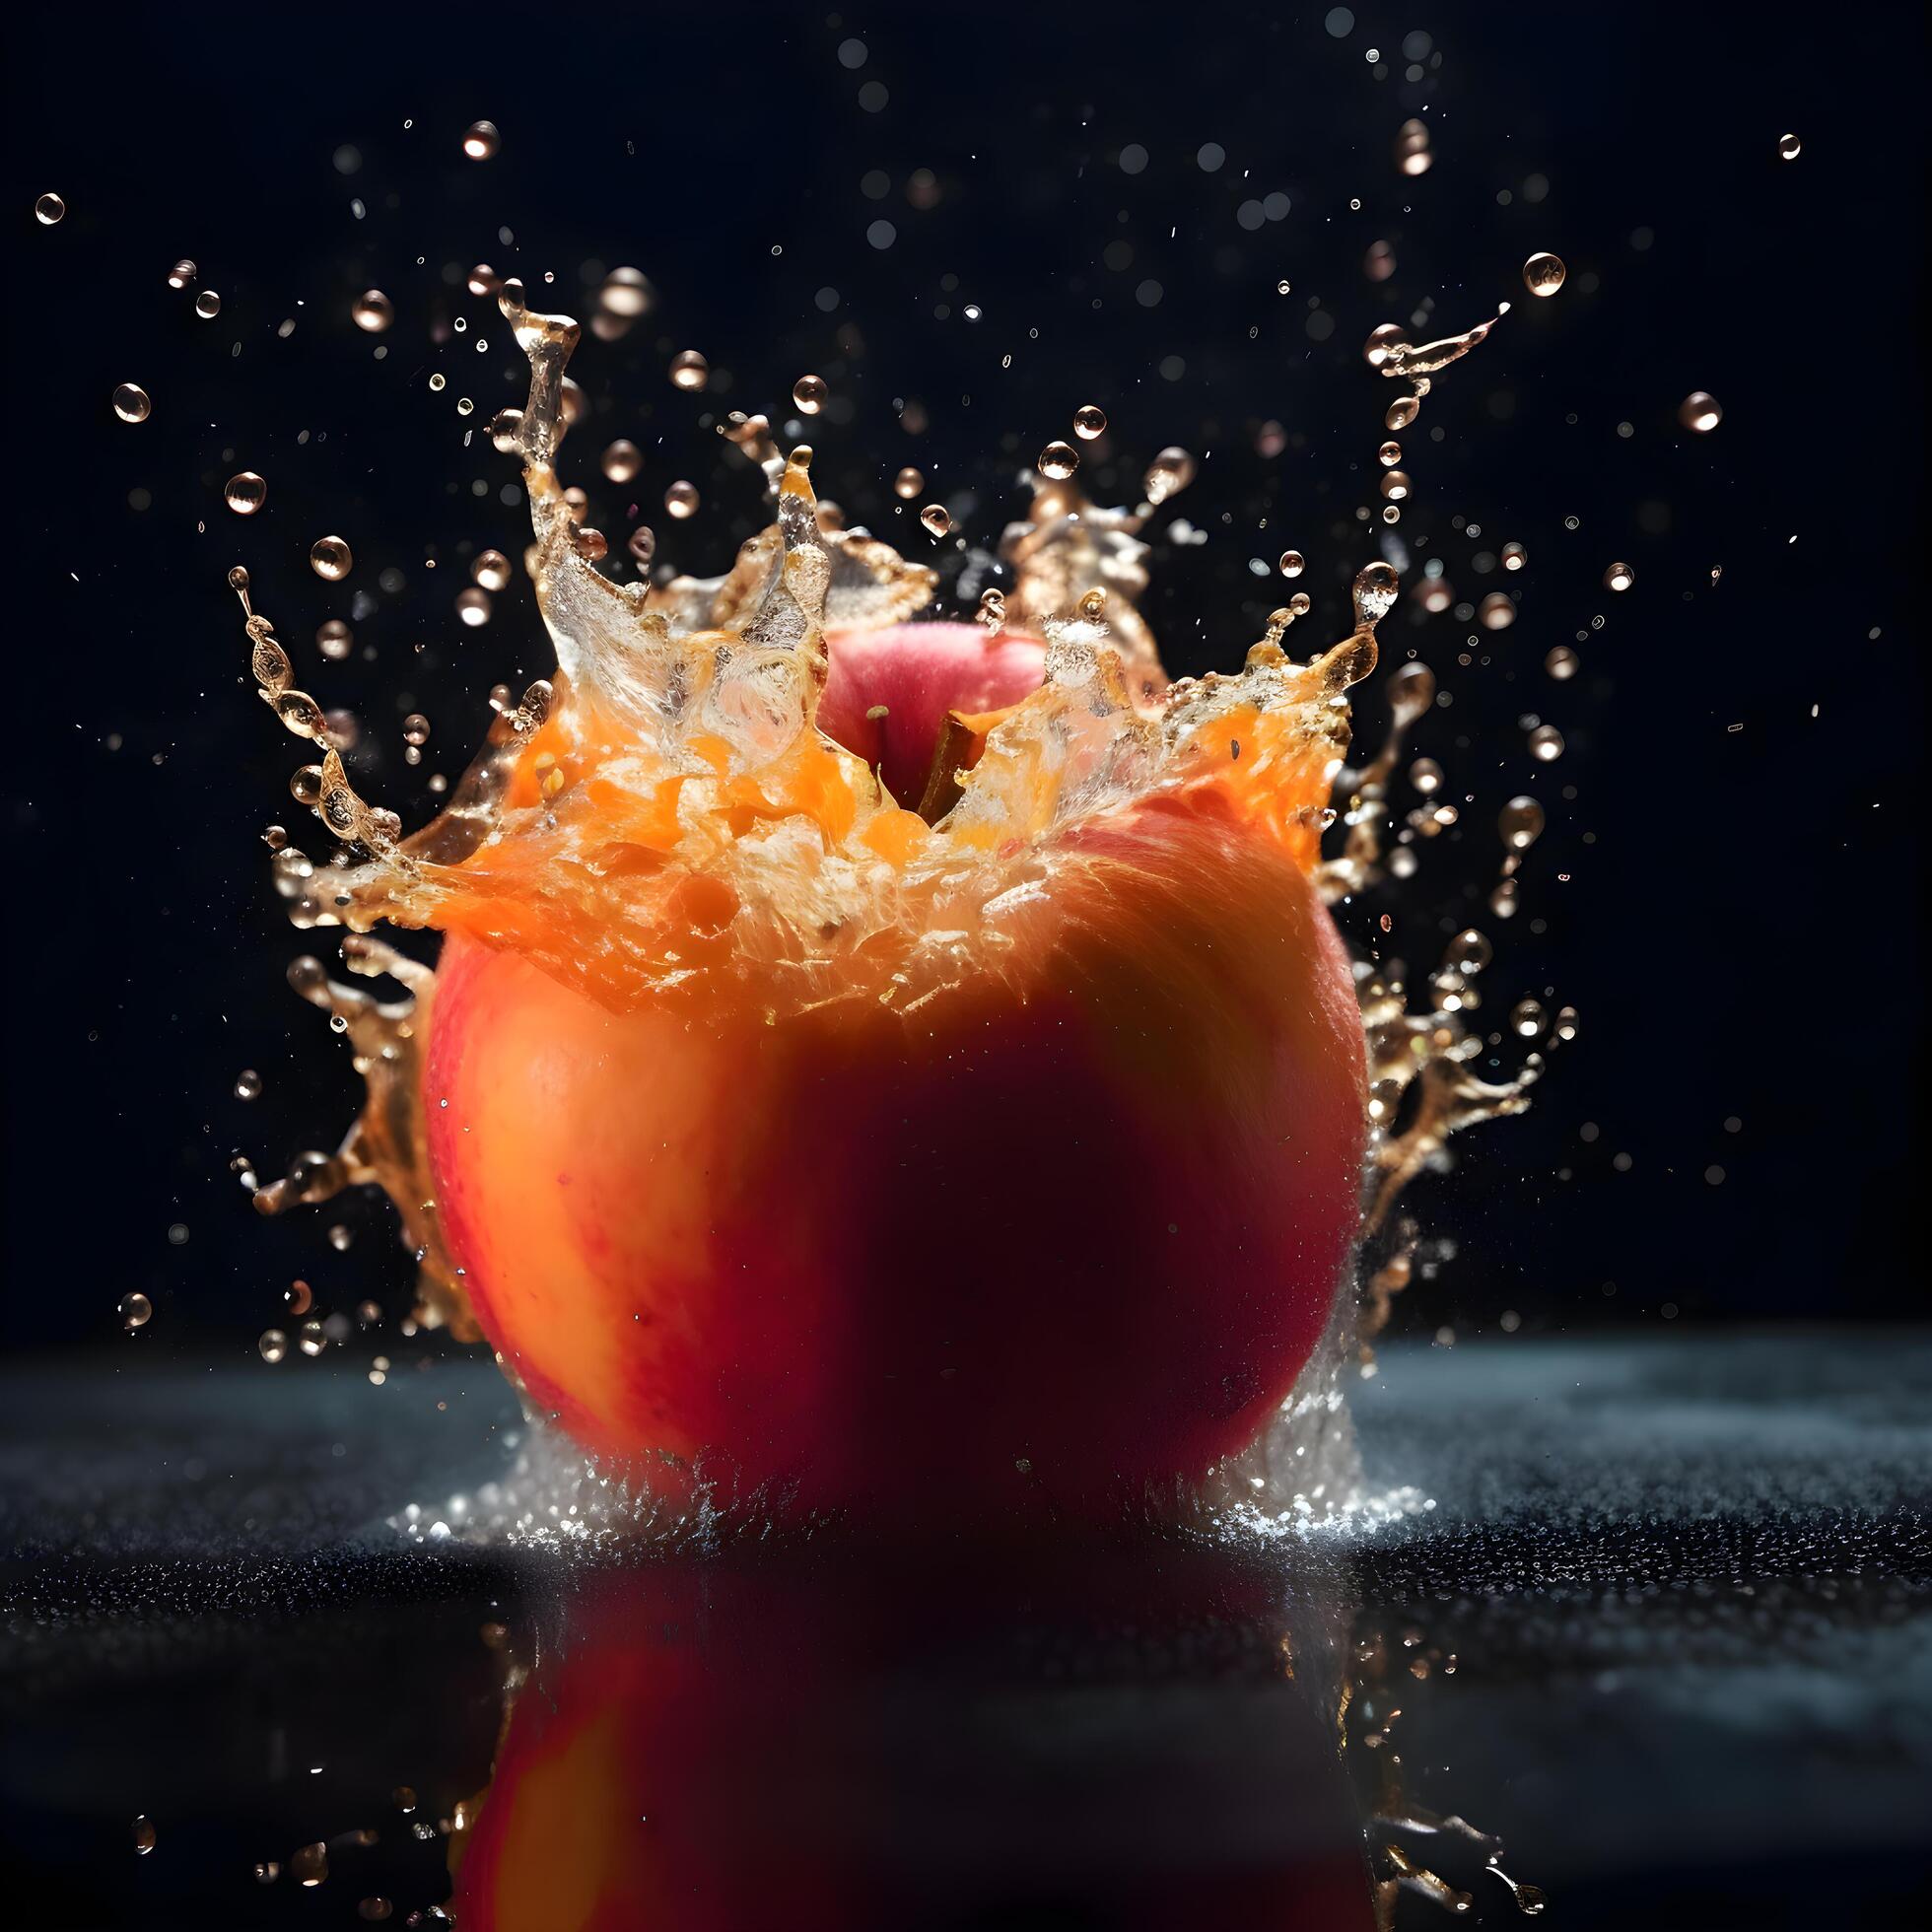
876 1062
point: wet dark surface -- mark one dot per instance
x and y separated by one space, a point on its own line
1686 1583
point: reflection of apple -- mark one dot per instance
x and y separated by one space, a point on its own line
736 1747
1064 1232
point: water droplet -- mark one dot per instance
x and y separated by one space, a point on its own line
309 1864
1382 342
207 305
1563 662
374 1910
1619 576
415 728
490 570
1514 556
1527 1019
403 1798
1089 421
809 393
135 1311
248 1084
483 280
991 611
373 310
310 1338
299 1297
1425 774
627 293
1402 412
273 1345
1058 460
334 639
1170 472
1093 605
48 210
1412 154
935 518
144 1830
506 426
681 500
1545 743
1389 455
181 274
1395 483
246 493
1292 563
1520 824
438 383
643 545
330 557
622 461
1284 287
481 140
689 370
908 483
131 403
1543 274
473 606
1700 412
1495 612
1469 952
1374 593
1789 148
267 1871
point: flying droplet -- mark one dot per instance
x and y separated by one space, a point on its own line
643 545
506 427
144 1829
1789 148
299 1297
1402 412
415 728
627 293
334 639
1425 774
131 403
1292 563
273 1345
207 305
1520 824
1089 421
309 1864
937 523
1619 576
1495 612
1058 460
311 1339
48 210
244 493
373 310
689 370
481 140
1412 154
1093 605
1545 743
809 393
1527 1019
473 606
1395 482
908 483
1284 287
622 461
1514 556
1700 412
181 274
135 1311
1542 274
1562 664
248 1084
490 570
1389 455
330 557
438 383
681 500
1382 342
1170 472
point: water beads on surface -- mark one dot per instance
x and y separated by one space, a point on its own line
373 312
481 140
1700 412
135 1311
48 209
1543 274
131 403
244 493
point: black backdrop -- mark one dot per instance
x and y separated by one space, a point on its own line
1734 911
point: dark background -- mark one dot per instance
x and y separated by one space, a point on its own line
1735 911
